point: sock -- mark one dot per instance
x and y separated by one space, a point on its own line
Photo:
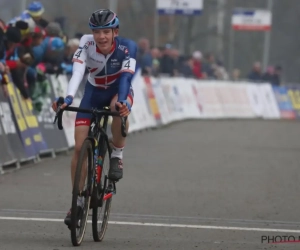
80 201
117 152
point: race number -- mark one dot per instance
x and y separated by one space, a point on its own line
79 55
129 65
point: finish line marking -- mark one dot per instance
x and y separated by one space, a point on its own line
161 225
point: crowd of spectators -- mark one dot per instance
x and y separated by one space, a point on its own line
31 47
168 61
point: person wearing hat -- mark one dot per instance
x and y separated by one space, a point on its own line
33 15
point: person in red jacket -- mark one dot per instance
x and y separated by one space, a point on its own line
197 66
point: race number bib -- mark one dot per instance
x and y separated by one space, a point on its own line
80 54
129 65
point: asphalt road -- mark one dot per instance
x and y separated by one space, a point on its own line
192 185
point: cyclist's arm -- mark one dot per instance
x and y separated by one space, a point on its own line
79 64
127 71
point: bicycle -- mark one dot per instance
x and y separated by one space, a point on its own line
99 189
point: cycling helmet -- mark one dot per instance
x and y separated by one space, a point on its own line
104 19
35 9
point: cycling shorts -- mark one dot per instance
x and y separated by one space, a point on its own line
96 98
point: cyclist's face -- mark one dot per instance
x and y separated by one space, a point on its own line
104 38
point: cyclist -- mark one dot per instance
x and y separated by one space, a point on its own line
111 61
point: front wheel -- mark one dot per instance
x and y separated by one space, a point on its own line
82 189
102 210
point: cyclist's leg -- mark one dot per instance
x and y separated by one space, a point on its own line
93 98
82 124
118 141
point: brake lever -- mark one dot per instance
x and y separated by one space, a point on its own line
123 126
57 112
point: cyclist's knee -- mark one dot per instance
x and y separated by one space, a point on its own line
113 103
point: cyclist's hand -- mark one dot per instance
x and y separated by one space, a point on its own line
67 102
123 108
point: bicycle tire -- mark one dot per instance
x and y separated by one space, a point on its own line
98 235
86 148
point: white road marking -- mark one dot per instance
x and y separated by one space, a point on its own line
163 225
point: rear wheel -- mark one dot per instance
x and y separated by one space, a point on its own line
104 189
82 188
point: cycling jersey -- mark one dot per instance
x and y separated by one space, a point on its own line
109 75
112 71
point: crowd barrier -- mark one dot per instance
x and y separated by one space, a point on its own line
26 134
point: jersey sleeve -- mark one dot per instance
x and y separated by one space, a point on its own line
127 70
79 64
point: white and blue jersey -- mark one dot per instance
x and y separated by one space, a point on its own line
109 75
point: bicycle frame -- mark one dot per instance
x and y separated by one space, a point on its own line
95 132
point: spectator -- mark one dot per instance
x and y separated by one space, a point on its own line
71 47
33 16
255 75
236 74
144 58
188 66
269 75
220 71
209 66
277 75
167 62
197 65
156 56
177 61
53 29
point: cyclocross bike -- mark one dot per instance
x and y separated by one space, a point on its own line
97 189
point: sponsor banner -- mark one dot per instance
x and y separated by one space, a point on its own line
22 127
270 107
187 98
242 105
179 7
284 102
212 106
224 93
6 154
150 97
10 138
2 147
55 138
172 95
251 20
198 98
255 99
140 108
32 123
294 95
161 101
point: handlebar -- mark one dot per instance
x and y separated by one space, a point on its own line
59 113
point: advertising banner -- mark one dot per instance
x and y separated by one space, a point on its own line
284 102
